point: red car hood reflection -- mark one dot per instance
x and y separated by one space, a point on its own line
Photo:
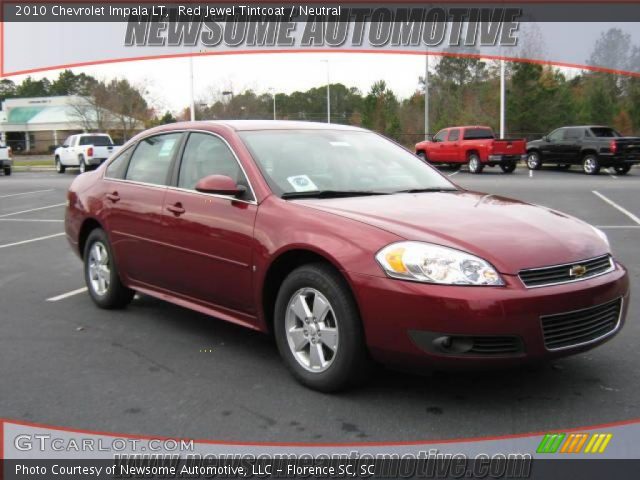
510 234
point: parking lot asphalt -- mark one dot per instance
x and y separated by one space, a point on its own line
158 369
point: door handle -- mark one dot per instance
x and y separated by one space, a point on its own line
176 209
114 197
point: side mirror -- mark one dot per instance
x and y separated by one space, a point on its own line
64 146
219 185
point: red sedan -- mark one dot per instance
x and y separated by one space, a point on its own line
343 244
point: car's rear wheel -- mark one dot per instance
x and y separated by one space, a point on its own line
590 164
508 167
318 329
622 169
60 168
475 166
82 164
101 274
533 161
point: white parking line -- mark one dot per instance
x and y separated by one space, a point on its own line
29 220
454 173
609 171
26 193
67 295
6 245
33 210
617 207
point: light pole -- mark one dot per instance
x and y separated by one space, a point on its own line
426 97
502 100
273 95
328 92
192 104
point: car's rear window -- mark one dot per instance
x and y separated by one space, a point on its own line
96 140
604 132
478 134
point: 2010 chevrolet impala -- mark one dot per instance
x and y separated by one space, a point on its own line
344 245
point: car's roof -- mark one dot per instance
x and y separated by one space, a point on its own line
468 126
242 125
587 126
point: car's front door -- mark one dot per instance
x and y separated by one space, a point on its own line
435 150
210 237
572 144
452 146
135 187
552 146
67 147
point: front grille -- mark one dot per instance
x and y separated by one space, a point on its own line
540 277
495 345
581 326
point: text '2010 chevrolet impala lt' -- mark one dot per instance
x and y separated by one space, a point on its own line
343 244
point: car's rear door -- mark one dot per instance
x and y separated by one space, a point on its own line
209 245
135 186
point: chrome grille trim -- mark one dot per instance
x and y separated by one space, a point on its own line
559 274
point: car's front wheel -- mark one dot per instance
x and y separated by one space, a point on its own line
475 166
81 164
422 156
101 274
60 168
590 164
7 171
318 329
533 161
508 167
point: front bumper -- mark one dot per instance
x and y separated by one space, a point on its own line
401 319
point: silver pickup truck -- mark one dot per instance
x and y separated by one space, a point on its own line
84 151
5 159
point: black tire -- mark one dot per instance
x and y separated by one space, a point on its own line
622 169
82 164
116 294
422 156
350 362
564 166
60 168
475 165
590 164
508 167
534 162
7 171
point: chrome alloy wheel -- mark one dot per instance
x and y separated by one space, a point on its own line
590 165
99 270
312 330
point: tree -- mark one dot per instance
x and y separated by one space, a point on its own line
69 83
33 88
380 110
7 89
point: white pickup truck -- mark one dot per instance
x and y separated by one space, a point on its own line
84 151
5 159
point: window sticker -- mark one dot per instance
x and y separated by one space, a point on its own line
167 147
302 183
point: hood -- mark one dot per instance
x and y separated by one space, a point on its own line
510 234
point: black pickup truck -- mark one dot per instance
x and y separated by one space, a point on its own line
591 146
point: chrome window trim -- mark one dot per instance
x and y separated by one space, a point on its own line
588 342
612 267
171 187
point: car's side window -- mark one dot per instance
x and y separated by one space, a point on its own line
117 168
573 133
557 135
440 136
454 135
205 155
152 157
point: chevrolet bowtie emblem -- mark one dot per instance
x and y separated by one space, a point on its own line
577 271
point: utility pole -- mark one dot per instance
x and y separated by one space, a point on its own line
328 93
426 97
192 105
273 95
502 100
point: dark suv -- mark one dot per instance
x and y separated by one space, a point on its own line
591 146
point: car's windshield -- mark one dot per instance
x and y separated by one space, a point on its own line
96 140
604 132
299 161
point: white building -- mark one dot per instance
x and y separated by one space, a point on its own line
39 124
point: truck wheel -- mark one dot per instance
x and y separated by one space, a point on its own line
508 167
622 169
475 166
533 161
590 164
318 329
422 156
60 168
82 164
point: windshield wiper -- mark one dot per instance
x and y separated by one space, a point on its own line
426 190
332 194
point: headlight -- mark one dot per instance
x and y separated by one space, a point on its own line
602 235
425 262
